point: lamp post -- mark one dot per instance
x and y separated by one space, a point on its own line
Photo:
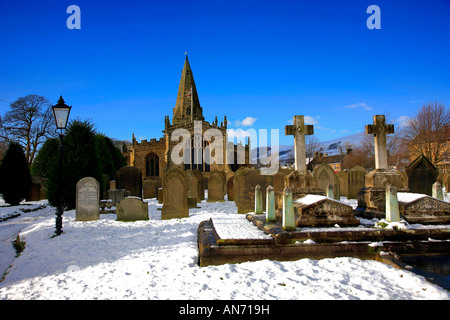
61 113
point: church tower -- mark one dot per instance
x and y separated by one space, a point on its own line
187 107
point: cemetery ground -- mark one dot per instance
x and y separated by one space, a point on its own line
158 259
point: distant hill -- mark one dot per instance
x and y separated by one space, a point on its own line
330 147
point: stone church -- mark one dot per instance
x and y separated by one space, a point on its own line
153 157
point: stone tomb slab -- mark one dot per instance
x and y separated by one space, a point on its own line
423 209
320 211
327 243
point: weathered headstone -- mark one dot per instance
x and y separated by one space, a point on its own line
288 219
356 180
423 209
230 190
343 182
87 199
175 187
302 183
149 189
325 175
245 181
132 209
437 191
201 185
117 195
270 205
330 191
258 200
193 188
320 211
392 211
421 175
130 179
216 186
279 185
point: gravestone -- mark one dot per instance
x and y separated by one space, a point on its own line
258 200
130 179
193 188
298 129
325 175
356 180
343 182
149 189
38 189
423 209
244 183
373 196
216 186
116 195
279 185
422 174
175 187
437 191
87 199
201 185
132 209
302 183
320 211
288 218
270 205
230 190
392 211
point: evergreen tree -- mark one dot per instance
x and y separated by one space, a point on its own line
80 159
46 157
15 178
110 156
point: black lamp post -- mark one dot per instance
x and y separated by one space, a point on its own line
61 113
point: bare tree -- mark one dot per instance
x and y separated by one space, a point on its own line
29 122
428 132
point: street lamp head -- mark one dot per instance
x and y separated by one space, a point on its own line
61 113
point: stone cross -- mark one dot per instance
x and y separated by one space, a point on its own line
380 129
299 130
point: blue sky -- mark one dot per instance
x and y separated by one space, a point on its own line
258 61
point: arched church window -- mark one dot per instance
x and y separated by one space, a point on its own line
152 165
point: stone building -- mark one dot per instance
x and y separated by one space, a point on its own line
153 157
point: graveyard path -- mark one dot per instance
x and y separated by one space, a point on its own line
9 229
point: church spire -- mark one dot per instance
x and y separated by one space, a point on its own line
187 107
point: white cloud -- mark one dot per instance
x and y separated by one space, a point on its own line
403 121
358 105
311 120
238 133
249 121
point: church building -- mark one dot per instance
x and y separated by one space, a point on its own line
153 157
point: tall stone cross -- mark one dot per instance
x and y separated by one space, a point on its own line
299 130
380 129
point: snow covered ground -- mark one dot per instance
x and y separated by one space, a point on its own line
157 259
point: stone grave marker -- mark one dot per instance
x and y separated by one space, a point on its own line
437 191
325 175
216 186
356 180
258 200
132 209
372 197
279 185
298 129
343 182
230 190
87 199
392 211
320 211
244 183
270 205
116 195
149 189
201 185
288 219
423 209
422 174
175 188
130 179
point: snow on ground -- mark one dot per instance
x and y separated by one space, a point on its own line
157 259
